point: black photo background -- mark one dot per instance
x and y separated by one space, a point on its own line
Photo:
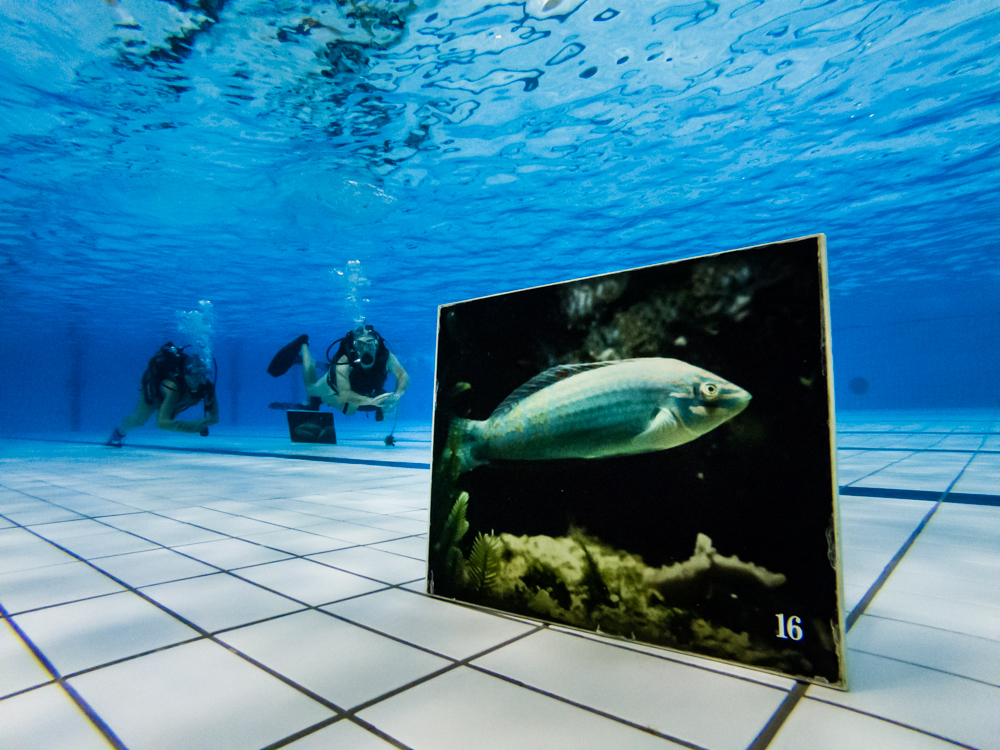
760 486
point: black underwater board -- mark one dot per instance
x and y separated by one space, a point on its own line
311 426
570 492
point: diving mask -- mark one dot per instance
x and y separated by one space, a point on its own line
365 347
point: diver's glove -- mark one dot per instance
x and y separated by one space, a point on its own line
203 432
117 439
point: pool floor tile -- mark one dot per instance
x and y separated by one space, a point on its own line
680 701
92 632
443 627
196 695
467 709
820 726
47 718
352 541
54 584
340 662
309 581
219 601
21 669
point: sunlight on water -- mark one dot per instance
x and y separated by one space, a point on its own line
157 152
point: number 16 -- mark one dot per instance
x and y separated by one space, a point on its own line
794 628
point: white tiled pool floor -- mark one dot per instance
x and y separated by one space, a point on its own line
179 599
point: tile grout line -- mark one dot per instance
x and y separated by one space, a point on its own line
203 635
335 719
900 724
871 473
350 714
773 726
135 589
588 709
202 632
74 696
874 589
213 637
665 656
924 666
160 514
301 734
778 718
934 627
218 569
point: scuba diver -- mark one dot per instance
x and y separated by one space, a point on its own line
357 374
173 381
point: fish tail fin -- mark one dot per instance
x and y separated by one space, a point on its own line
463 435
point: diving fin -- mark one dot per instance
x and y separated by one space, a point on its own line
286 356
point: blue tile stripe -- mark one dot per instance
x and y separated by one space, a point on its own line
298 457
251 454
873 590
876 448
967 498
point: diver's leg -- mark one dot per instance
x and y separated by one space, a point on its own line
318 387
308 366
286 357
139 416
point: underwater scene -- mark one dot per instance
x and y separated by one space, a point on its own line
629 491
278 228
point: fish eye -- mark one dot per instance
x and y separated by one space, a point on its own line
709 391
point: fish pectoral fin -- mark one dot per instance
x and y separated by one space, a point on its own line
664 419
664 431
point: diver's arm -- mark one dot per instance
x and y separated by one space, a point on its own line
164 417
388 401
402 379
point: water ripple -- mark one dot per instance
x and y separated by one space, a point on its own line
465 147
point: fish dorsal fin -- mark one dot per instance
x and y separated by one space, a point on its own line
545 379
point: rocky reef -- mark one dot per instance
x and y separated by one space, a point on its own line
667 319
580 581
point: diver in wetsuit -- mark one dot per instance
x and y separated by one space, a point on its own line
357 374
173 381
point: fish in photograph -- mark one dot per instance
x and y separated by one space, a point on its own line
599 409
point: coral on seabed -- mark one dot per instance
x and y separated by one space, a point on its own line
580 581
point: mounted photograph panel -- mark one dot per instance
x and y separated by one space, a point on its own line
648 455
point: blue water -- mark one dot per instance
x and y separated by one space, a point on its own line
156 154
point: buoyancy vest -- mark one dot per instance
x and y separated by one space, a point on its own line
368 382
